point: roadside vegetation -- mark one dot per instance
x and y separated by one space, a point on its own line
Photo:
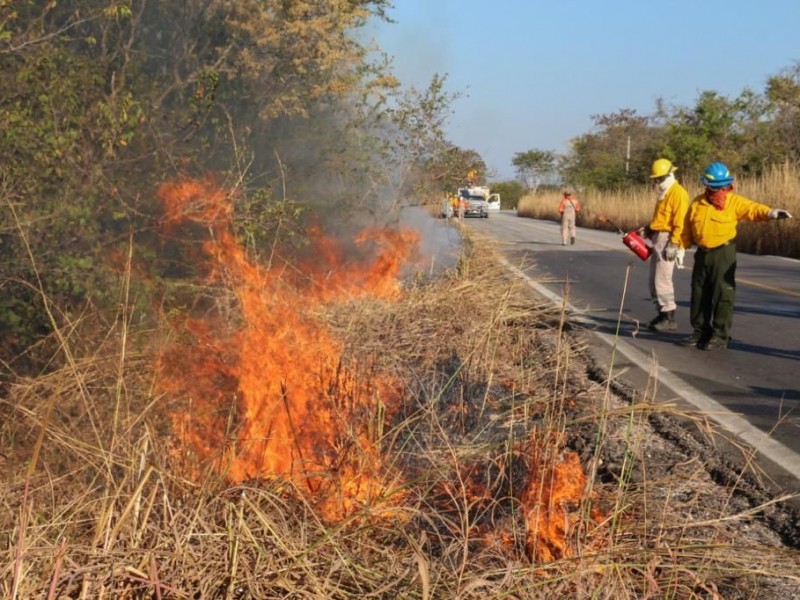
754 133
632 207
751 133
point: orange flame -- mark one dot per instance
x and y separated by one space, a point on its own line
548 503
270 396
552 501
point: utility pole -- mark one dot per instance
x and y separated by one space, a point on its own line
628 157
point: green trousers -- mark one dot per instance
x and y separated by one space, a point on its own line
713 291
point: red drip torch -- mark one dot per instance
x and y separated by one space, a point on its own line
631 239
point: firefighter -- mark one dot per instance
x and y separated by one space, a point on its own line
664 232
711 224
568 208
454 204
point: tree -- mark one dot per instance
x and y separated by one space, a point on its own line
703 131
510 192
105 98
427 163
450 167
534 166
748 132
734 131
617 154
783 96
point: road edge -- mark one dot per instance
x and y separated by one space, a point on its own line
778 461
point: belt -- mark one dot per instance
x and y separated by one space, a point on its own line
728 243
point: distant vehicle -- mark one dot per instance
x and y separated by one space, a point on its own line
478 204
493 200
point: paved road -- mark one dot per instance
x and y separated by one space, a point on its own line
757 377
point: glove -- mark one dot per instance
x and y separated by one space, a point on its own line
679 258
670 252
779 213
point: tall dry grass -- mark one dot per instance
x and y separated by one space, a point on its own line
495 392
632 208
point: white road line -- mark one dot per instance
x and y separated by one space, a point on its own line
771 449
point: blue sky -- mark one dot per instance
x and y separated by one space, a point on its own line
533 72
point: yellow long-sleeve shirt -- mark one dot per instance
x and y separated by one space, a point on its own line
709 227
670 212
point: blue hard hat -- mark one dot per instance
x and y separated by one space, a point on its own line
716 175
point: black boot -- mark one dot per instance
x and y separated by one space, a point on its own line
697 339
572 240
665 321
715 343
655 321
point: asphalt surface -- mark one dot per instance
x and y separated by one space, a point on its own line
752 389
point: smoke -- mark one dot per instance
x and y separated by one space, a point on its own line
440 244
348 173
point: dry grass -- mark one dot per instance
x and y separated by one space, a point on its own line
496 394
779 188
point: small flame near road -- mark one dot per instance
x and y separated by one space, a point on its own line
265 393
553 500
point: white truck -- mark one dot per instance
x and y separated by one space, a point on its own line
480 201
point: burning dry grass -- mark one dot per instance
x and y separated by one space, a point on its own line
632 208
515 476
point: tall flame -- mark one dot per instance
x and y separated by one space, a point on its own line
267 394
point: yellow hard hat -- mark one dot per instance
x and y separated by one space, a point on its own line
661 167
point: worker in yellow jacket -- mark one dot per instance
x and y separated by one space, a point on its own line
665 231
711 224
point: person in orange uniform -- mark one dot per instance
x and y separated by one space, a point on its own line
711 224
568 208
462 207
664 232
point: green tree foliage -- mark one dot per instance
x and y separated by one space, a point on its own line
705 130
510 192
450 167
735 131
427 162
534 166
783 96
749 133
615 154
105 98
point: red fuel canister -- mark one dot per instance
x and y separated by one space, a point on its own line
636 243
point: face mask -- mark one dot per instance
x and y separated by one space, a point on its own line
717 197
664 185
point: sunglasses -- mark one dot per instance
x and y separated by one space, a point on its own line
660 179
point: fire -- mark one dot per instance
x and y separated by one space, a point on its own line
266 394
552 502
551 499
